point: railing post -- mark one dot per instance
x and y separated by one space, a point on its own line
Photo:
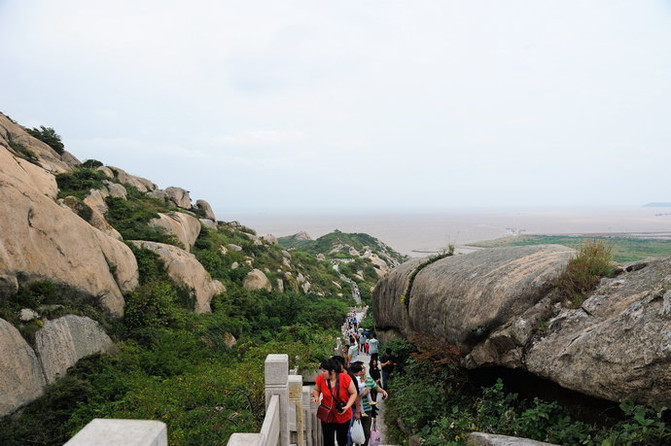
296 405
277 378
307 415
109 432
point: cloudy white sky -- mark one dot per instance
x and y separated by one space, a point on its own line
261 105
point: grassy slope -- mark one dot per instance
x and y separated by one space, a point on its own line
625 249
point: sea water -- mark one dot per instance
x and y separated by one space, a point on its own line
419 233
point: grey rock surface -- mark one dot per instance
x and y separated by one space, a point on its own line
617 345
483 439
491 304
256 280
21 377
205 206
180 197
184 227
64 341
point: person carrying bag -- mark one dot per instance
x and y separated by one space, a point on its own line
338 394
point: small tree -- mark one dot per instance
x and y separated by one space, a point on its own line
48 136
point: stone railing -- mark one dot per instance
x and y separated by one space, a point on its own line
290 418
290 413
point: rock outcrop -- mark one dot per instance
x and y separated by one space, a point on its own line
205 207
21 377
13 135
617 345
256 280
64 341
184 268
42 240
185 227
179 197
491 303
142 184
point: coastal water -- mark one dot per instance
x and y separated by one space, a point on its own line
419 233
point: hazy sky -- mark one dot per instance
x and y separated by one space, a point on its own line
257 105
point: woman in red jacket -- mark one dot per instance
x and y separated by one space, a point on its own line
338 394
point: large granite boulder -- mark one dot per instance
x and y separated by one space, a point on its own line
13 135
205 206
42 240
492 304
185 227
142 184
21 377
184 268
256 280
179 197
617 345
64 341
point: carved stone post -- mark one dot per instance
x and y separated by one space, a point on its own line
277 378
296 403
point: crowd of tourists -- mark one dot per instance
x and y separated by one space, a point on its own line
347 389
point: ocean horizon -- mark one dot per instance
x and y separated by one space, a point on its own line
418 233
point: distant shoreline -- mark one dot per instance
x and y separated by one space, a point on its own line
422 234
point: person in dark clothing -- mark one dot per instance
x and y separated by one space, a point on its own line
374 372
387 362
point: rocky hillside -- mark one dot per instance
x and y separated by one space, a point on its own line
361 258
500 307
81 240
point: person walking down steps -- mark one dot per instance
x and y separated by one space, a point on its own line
366 386
336 393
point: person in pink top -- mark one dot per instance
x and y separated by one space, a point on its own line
338 393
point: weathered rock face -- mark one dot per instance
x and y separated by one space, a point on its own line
185 227
180 197
184 268
616 346
142 184
256 280
42 240
209 224
64 341
205 206
464 298
21 377
48 159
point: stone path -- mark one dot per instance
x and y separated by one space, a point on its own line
360 314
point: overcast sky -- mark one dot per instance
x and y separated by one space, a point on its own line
258 105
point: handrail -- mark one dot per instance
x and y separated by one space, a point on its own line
270 430
290 418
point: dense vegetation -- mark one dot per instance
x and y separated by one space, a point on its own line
441 403
202 374
624 249
48 136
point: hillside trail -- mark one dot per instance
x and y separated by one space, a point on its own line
360 313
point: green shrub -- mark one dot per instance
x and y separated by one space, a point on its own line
48 136
92 164
153 304
131 218
584 272
79 182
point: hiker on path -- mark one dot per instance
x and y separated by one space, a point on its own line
374 372
366 386
387 362
373 345
338 394
352 352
